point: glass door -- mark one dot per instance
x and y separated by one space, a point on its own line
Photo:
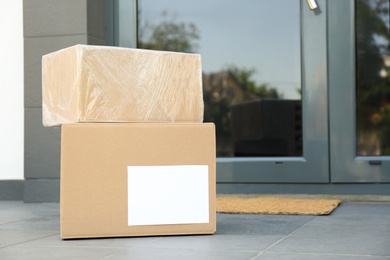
359 91
264 81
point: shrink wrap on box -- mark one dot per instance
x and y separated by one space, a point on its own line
112 84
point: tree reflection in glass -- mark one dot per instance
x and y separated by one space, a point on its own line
373 78
251 67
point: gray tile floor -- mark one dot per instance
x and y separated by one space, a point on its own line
353 231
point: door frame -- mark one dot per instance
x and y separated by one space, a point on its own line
313 166
266 175
121 23
346 166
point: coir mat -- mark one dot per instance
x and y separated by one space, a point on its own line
272 205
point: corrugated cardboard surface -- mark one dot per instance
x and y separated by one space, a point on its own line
94 160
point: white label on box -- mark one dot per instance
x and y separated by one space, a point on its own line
162 195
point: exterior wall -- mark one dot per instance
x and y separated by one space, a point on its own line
11 85
50 25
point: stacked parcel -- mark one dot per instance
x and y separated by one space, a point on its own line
136 159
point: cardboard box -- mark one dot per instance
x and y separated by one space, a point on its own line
87 83
137 179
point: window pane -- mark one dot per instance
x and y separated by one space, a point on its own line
251 67
373 78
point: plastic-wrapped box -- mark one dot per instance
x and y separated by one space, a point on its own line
87 83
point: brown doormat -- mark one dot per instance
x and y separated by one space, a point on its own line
271 205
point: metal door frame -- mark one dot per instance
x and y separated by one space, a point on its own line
328 75
346 166
313 166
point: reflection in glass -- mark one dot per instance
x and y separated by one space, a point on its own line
373 78
251 67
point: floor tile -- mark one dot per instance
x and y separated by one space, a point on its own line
58 253
298 256
363 233
355 212
354 231
6 220
250 224
40 207
14 211
180 254
12 237
215 242
125 242
222 215
20 210
35 223
338 239
4 204
362 209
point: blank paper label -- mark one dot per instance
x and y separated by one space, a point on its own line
162 195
